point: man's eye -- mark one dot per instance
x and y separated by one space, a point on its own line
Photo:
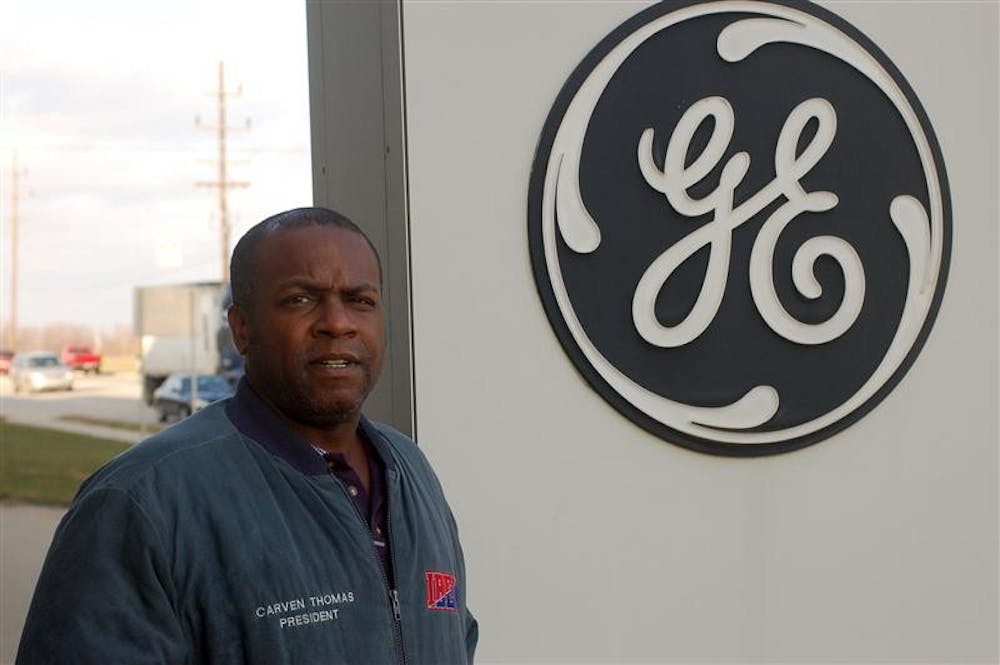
297 299
362 302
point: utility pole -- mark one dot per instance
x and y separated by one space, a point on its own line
15 174
222 182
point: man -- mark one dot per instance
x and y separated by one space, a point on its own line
280 526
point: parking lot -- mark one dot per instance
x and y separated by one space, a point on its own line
108 397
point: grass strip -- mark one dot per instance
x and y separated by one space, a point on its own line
46 466
107 422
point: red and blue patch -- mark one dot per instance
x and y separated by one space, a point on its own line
441 592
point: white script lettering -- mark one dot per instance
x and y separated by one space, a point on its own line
676 179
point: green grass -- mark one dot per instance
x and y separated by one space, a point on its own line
46 466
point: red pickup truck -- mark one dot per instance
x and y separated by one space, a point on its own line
6 357
81 357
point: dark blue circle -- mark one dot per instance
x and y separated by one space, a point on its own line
873 159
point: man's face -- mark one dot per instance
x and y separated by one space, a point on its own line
313 332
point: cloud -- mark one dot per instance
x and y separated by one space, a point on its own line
99 99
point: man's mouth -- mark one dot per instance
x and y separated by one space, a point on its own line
333 363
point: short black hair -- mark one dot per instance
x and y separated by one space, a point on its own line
243 264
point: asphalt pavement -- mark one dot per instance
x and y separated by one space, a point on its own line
25 534
116 397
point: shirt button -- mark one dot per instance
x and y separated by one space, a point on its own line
352 490
378 531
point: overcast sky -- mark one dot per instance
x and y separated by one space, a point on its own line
99 100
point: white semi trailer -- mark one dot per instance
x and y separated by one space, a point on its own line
182 328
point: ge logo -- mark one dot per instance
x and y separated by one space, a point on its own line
739 223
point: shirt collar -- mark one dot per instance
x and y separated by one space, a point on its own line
256 419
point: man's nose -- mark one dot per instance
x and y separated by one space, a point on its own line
334 318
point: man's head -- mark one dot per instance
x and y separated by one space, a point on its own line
307 314
242 267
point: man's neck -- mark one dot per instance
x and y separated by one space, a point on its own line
341 437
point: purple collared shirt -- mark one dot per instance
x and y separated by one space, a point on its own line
255 418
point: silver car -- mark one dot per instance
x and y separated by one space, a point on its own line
40 370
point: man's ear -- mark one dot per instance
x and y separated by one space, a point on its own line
238 325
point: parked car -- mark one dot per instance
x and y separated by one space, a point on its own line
173 398
6 357
40 370
81 357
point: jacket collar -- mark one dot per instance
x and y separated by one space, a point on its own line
256 419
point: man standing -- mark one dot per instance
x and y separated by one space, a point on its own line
280 526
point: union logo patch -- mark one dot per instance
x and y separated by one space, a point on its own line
441 591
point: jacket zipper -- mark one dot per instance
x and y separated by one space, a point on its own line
397 625
394 597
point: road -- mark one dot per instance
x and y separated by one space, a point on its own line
26 531
105 396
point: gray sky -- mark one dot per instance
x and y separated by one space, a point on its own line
99 100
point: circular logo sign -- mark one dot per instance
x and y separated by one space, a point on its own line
739 223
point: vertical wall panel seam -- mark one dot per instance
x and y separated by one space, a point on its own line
404 146
386 212
398 237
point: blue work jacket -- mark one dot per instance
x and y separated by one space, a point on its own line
199 546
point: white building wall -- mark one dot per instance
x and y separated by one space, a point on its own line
588 539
